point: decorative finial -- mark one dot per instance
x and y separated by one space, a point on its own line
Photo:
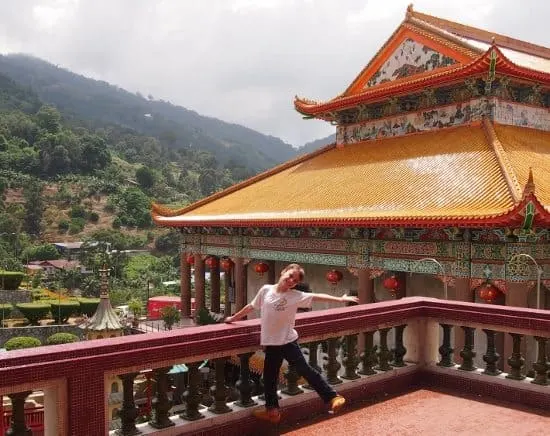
409 10
530 185
493 40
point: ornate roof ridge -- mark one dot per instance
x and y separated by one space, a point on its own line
162 211
502 159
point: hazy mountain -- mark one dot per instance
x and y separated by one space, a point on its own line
318 143
99 104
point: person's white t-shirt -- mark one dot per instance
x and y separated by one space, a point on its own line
278 313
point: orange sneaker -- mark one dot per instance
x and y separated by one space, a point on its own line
337 403
272 415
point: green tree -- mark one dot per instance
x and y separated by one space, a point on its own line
170 315
49 119
145 177
34 208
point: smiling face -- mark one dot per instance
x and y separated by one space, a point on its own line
290 276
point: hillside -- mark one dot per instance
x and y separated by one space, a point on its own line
318 143
99 104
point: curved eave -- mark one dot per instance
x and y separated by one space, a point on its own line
400 86
510 217
443 76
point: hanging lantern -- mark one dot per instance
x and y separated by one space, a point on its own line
226 264
391 283
211 262
489 292
261 268
333 277
190 259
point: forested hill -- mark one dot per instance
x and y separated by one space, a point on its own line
99 104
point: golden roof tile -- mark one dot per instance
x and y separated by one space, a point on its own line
446 174
527 149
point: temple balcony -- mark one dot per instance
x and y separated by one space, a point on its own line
399 349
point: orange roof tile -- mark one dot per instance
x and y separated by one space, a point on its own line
528 148
446 174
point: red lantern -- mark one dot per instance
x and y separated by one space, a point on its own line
333 277
261 268
226 264
190 259
391 283
489 293
211 262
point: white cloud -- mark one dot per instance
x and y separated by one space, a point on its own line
241 60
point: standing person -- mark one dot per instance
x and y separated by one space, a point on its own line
278 304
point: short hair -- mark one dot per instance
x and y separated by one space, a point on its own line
297 267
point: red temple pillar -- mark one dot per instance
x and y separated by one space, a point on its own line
185 286
215 286
199 282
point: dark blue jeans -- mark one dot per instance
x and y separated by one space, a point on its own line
274 355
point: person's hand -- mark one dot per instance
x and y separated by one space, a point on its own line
349 299
229 319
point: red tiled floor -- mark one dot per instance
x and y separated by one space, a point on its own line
429 413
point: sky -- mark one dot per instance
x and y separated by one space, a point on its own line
242 61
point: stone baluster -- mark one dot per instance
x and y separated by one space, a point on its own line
292 377
129 411
384 354
206 397
333 365
244 384
491 357
191 396
219 391
541 366
368 356
351 360
18 427
312 360
468 352
516 360
161 402
446 351
399 351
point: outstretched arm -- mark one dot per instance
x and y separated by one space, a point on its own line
330 298
240 314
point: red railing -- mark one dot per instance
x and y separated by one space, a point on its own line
34 418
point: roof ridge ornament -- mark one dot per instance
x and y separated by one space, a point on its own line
410 11
529 185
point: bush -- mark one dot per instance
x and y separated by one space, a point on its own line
205 317
77 211
61 311
63 226
5 311
34 312
19 342
77 225
88 306
94 217
10 280
117 223
61 338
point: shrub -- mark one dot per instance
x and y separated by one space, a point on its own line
19 342
61 338
88 306
170 315
10 280
77 225
34 312
61 311
117 223
94 217
205 317
77 211
5 311
63 226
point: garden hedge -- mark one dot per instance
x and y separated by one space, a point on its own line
34 312
61 338
10 280
5 311
88 306
19 342
62 310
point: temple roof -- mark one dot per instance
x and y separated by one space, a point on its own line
426 51
468 175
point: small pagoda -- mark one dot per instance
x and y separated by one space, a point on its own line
105 322
438 183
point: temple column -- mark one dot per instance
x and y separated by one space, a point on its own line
365 290
271 273
185 286
227 284
215 286
461 292
240 278
199 282
517 295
